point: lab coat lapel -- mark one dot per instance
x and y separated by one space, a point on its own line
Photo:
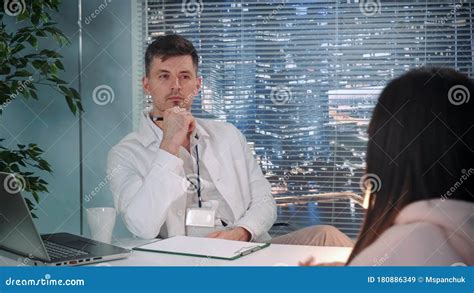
217 173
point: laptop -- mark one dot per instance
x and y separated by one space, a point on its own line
19 235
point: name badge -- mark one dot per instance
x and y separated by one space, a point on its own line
200 217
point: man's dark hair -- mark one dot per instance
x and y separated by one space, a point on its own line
168 46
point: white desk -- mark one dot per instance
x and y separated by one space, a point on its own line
274 255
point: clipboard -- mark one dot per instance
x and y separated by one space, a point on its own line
203 247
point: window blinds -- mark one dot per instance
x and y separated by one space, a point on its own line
300 79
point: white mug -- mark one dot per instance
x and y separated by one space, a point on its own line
101 223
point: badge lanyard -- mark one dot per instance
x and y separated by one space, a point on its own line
205 214
198 178
198 187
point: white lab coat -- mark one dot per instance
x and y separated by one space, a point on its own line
149 184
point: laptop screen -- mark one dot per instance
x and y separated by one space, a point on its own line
18 233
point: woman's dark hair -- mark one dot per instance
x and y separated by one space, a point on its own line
421 146
169 46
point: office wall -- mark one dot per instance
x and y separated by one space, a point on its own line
106 93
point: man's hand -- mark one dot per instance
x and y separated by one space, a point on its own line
238 234
177 124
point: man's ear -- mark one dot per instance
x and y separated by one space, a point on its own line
199 84
146 85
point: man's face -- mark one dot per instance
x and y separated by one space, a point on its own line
172 83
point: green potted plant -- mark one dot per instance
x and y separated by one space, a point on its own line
25 68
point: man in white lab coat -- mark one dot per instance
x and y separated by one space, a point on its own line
176 172
179 175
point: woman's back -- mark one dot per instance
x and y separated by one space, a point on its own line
421 150
425 233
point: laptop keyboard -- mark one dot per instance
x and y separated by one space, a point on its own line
56 250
